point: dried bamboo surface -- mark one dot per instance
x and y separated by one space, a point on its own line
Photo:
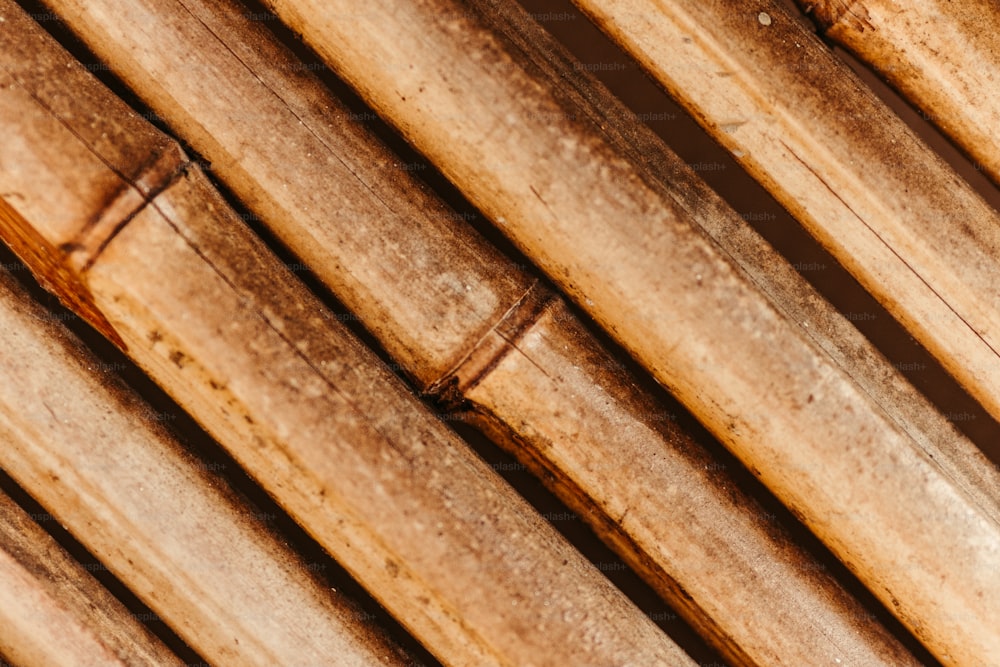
780 282
54 613
461 318
91 453
628 252
212 315
914 234
944 56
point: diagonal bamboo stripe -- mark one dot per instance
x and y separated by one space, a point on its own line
915 235
212 315
943 56
631 256
93 454
54 613
538 379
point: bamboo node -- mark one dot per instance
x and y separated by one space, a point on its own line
851 14
451 388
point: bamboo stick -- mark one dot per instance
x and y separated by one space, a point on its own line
567 409
53 612
93 454
890 210
628 253
943 56
399 500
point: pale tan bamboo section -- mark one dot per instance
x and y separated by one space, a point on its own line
569 406
889 209
629 255
96 457
464 562
53 613
944 56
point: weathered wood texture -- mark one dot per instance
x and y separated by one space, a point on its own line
53 613
463 320
890 210
944 56
628 252
96 457
454 553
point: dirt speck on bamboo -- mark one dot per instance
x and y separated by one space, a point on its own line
630 255
425 525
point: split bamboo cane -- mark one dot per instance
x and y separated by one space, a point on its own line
914 234
943 56
117 216
544 385
94 455
628 252
53 613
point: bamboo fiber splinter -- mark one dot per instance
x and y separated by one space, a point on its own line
539 380
54 613
629 253
95 456
119 216
944 56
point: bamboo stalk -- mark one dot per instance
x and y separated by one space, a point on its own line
94 455
553 397
627 251
890 210
398 499
53 612
165 525
943 56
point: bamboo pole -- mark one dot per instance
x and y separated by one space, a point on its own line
943 56
398 499
97 458
890 210
554 397
627 252
54 613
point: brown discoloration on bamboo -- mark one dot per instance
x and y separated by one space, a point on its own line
945 57
61 252
61 269
53 612
343 445
892 212
630 255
